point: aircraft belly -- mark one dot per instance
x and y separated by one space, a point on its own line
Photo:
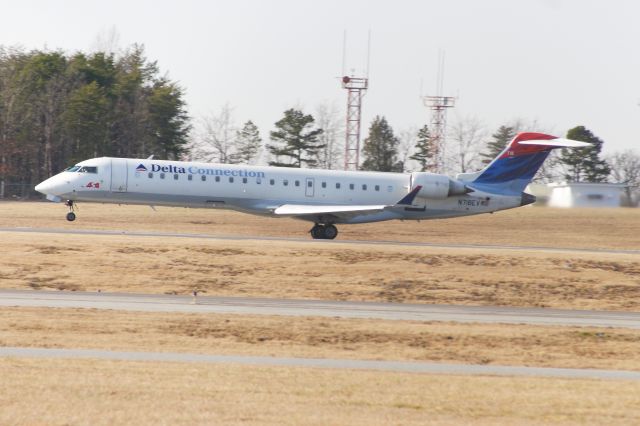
254 206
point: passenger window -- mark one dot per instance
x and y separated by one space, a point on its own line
337 185
324 184
150 175
309 183
258 181
190 177
203 178
297 183
230 179
364 187
244 180
161 175
175 176
377 187
272 182
217 178
285 182
351 186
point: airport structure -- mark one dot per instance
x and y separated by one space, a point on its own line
438 105
586 194
356 88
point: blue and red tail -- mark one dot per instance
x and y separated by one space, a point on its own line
512 170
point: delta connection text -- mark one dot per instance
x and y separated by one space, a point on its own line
206 171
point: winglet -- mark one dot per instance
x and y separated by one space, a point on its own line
408 199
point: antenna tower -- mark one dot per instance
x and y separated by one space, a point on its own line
356 88
438 105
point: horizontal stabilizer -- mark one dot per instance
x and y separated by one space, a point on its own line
558 143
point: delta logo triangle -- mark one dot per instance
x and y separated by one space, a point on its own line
141 168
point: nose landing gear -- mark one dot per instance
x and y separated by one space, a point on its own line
71 216
324 232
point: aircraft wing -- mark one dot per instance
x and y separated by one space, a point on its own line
341 211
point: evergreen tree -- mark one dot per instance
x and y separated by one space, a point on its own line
584 164
381 148
56 109
424 149
295 139
248 143
498 143
167 118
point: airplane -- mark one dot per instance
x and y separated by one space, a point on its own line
324 197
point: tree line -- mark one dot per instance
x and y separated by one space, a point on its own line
57 109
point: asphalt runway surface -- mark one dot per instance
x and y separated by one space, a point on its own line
308 240
349 364
318 308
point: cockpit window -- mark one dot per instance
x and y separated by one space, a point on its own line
88 169
72 169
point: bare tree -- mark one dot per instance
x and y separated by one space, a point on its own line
465 140
107 41
215 140
407 141
329 118
625 168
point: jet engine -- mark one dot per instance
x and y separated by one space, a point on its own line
436 186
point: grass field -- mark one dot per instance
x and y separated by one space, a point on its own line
106 392
529 226
540 346
321 271
56 392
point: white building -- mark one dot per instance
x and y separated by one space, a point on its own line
586 194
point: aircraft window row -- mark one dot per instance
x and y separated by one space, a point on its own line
285 182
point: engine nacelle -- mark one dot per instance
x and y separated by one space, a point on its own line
436 186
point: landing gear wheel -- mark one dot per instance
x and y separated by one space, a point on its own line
71 216
330 232
324 232
317 232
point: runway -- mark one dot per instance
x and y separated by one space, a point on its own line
309 240
347 364
319 308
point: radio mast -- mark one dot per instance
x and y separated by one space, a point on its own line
438 106
356 88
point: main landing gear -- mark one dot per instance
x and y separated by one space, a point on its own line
324 232
71 216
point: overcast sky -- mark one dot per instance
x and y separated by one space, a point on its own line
560 62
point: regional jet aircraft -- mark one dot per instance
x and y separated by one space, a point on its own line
323 197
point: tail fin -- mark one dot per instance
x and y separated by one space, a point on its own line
512 170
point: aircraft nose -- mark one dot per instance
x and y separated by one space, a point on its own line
44 186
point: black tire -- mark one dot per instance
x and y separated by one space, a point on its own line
330 232
317 232
71 216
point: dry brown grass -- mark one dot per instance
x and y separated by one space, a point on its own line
583 228
321 271
541 346
57 392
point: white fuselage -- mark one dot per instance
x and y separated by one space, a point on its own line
257 190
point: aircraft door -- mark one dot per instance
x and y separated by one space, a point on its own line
309 187
119 176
